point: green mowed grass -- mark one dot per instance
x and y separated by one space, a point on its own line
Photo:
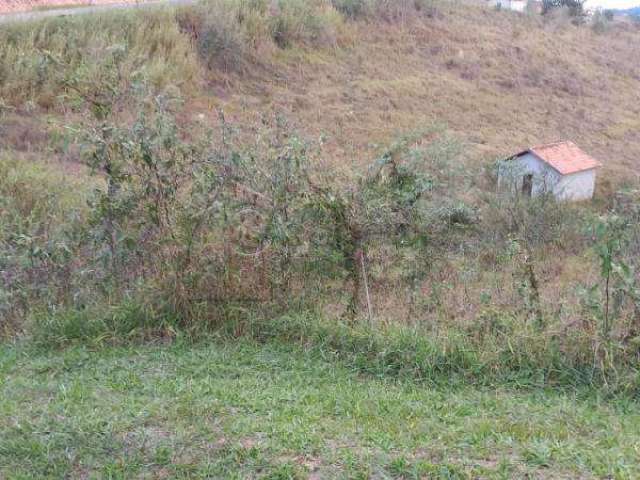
242 410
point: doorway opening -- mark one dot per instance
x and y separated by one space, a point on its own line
527 185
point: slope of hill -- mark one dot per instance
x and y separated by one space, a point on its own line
499 80
492 83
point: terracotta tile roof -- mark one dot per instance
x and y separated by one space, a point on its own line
565 157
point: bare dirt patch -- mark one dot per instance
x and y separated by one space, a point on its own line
14 6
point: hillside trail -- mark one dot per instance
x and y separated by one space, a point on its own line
83 10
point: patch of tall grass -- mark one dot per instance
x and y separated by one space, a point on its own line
389 10
518 355
230 33
125 322
37 207
61 62
52 62
33 196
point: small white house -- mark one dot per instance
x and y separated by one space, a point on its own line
515 5
561 168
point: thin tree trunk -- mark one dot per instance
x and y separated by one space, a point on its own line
606 307
534 297
351 250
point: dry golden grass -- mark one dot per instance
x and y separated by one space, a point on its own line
501 81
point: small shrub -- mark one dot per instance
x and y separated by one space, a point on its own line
599 22
612 235
456 214
219 41
388 10
537 222
532 8
300 21
353 9
559 18
574 7
394 10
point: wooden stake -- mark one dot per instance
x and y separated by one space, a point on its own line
366 288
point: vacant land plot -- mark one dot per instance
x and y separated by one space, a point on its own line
245 411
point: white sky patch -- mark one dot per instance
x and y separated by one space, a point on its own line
612 3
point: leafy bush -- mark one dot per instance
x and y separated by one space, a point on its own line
392 10
219 39
537 222
300 21
564 12
188 222
353 9
600 21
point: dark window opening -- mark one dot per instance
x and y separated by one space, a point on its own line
527 185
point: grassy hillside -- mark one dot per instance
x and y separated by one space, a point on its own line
272 411
499 80
334 153
13 6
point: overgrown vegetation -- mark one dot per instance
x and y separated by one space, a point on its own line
194 224
56 63
59 63
198 234
574 7
236 240
179 225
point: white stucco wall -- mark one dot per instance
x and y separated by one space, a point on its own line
516 5
577 186
511 175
